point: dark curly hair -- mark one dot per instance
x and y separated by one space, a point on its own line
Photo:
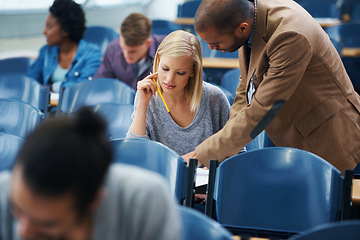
71 18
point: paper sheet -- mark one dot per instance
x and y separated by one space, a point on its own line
202 177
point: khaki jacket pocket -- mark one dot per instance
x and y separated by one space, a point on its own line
318 116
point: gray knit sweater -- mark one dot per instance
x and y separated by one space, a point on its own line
210 117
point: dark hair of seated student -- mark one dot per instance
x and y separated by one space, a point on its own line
67 155
71 18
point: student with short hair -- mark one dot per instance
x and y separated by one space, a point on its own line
63 187
129 58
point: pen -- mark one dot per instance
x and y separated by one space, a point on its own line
157 86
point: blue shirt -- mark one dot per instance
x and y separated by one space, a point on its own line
84 65
251 89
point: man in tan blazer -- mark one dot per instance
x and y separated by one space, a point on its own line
293 84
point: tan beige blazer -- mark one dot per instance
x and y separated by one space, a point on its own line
304 97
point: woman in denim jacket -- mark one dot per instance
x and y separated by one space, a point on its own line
66 59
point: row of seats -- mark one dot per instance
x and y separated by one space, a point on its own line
19 86
179 191
275 201
194 223
271 192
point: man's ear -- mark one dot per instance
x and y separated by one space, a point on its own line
148 42
241 29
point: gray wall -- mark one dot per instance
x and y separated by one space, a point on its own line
22 33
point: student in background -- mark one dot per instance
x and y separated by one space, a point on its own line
130 57
66 59
197 109
63 187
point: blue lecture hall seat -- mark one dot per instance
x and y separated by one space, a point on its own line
163 27
355 15
100 35
276 192
15 65
9 147
19 86
322 9
18 117
228 95
347 35
156 157
349 230
196 225
99 90
188 9
231 80
259 142
118 117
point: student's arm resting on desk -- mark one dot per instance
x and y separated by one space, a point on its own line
284 72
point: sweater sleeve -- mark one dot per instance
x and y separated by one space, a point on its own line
130 134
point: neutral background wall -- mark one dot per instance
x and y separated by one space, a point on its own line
22 33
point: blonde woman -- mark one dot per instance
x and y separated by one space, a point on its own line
197 109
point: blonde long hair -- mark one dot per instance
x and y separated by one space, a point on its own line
177 44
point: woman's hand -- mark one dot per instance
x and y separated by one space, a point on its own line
146 88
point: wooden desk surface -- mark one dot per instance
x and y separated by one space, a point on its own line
185 21
355 195
252 238
328 22
220 63
350 52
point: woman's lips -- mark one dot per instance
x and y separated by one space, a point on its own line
169 86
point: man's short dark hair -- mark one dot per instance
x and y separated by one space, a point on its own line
71 18
135 29
223 15
67 155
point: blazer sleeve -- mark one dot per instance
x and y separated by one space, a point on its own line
274 87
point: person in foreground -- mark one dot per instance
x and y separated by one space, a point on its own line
66 59
63 187
293 84
130 57
197 109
